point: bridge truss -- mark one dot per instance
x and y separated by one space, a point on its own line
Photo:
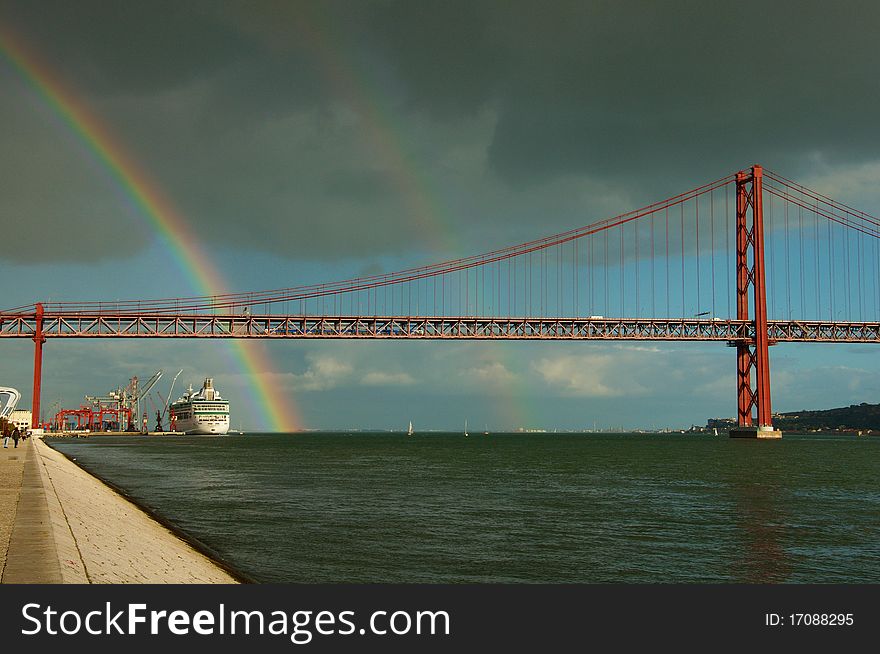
434 328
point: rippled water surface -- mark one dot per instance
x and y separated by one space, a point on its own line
511 507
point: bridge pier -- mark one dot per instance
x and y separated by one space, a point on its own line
755 432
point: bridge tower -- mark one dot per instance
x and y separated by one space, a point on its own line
39 339
752 355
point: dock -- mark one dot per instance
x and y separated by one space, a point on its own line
87 434
59 524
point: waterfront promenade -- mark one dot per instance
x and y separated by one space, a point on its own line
59 524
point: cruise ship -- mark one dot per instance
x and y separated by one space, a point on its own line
202 412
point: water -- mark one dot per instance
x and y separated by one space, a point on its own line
513 507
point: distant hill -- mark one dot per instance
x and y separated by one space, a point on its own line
856 417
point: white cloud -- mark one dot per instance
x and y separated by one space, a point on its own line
795 386
324 373
381 378
581 376
636 370
492 373
854 184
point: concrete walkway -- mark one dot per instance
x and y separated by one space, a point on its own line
59 524
11 467
31 557
29 553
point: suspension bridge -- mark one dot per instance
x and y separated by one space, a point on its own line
750 260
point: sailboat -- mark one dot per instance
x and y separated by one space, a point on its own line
409 432
465 427
486 431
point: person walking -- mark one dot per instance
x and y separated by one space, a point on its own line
16 434
4 425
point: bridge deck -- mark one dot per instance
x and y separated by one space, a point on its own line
426 328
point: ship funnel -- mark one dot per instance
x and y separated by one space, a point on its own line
209 388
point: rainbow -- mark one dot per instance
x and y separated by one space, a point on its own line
278 410
350 79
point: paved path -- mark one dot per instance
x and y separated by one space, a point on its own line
58 524
11 467
30 556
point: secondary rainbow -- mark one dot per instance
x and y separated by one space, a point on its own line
350 79
153 204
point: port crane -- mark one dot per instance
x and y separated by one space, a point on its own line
128 399
163 403
136 393
158 413
168 399
122 405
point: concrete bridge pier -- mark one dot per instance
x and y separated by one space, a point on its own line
754 431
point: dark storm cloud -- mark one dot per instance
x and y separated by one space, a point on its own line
301 127
449 54
119 47
356 185
625 89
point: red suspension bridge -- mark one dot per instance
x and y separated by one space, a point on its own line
751 260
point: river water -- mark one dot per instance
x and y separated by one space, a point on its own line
438 508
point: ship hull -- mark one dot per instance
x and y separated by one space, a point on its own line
205 430
208 424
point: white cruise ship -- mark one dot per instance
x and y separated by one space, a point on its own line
204 412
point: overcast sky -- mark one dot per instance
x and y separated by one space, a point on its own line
309 141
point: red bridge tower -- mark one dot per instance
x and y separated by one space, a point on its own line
752 355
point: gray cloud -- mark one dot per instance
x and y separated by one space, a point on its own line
326 130
114 48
